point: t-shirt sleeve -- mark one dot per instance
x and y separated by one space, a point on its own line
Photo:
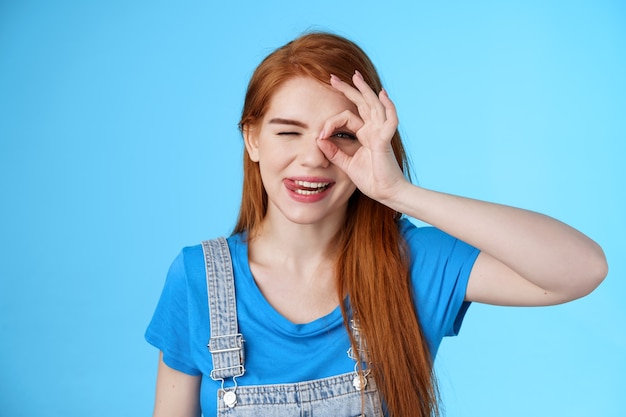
169 328
440 270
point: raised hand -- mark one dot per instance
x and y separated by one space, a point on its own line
373 167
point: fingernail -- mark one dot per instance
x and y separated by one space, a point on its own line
358 73
333 77
322 135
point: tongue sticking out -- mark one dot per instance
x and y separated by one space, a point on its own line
306 187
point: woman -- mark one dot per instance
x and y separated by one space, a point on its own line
325 262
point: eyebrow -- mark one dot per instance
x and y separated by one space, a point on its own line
279 121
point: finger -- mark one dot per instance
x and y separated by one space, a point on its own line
366 101
369 95
369 108
334 154
391 114
344 120
350 92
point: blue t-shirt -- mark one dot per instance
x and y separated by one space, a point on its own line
279 351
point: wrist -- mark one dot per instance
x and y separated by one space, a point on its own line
399 195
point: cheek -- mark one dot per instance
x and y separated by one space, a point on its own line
266 172
271 168
271 159
348 186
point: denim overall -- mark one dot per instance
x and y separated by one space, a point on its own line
348 395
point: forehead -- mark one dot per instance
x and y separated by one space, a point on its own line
308 100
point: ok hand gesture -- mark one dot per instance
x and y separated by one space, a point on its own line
373 167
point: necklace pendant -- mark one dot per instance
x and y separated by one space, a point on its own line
230 399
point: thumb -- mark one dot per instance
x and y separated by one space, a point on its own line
333 153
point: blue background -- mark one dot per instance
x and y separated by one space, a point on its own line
119 145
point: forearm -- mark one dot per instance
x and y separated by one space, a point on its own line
545 251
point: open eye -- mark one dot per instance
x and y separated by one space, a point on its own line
345 135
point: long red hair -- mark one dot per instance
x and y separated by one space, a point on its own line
372 261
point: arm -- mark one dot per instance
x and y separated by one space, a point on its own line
177 394
526 258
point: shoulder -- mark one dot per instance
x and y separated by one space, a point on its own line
412 232
429 246
440 266
191 262
424 237
191 256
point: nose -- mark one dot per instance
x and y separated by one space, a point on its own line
310 155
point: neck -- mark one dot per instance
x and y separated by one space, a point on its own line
298 247
293 266
295 246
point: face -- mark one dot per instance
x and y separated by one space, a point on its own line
303 187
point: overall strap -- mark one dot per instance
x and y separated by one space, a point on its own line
226 343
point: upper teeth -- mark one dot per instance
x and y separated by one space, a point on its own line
309 184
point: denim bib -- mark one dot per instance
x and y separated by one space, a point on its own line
352 394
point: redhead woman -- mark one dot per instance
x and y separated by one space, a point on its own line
326 300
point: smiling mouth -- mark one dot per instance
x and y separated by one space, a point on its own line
309 188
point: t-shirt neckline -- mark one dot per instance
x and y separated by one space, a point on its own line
245 280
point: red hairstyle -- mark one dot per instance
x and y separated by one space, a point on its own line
372 261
